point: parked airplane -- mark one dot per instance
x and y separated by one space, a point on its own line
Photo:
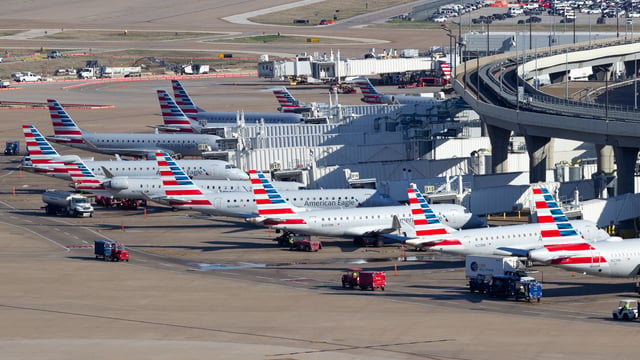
182 193
195 113
365 225
68 133
372 96
147 188
614 257
44 159
288 104
553 227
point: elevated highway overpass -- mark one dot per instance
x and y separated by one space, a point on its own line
501 89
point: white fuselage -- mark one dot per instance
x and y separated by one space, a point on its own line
502 240
613 258
137 144
197 169
358 222
243 204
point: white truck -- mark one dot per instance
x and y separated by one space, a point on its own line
66 203
87 73
491 265
25 76
112 71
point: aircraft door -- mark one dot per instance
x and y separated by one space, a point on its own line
313 220
217 203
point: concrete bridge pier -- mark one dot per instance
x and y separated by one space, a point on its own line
606 163
540 149
626 165
499 138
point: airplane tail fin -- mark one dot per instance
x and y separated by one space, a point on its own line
83 178
183 100
63 126
273 209
178 187
43 158
425 221
173 118
369 93
287 102
38 147
554 225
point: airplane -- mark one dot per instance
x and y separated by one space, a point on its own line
372 96
365 225
144 188
186 104
553 227
183 193
614 257
288 104
44 159
66 132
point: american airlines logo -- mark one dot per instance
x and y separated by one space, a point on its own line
330 203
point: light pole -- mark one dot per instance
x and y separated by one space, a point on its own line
488 36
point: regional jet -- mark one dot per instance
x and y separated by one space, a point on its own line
364 225
183 193
372 96
66 132
44 159
218 117
552 228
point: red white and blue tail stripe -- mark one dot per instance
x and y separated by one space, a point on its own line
430 232
554 225
287 102
183 100
173 118
179 188
83 178
370 94
271 205
44 158
64 129
425 221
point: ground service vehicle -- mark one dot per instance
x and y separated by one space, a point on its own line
110 250
364 279
627 310
12 147
304 243
66 203
503 277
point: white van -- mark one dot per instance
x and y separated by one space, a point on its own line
515 11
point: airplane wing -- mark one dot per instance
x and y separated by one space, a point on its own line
128 151
58 139
374 231
506 251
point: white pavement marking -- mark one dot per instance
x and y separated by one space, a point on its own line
244 18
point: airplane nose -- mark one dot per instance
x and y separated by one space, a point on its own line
474 222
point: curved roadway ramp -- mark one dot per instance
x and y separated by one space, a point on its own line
490 87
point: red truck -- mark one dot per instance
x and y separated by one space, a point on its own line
364 279
110 250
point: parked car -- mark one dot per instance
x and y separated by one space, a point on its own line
54 54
